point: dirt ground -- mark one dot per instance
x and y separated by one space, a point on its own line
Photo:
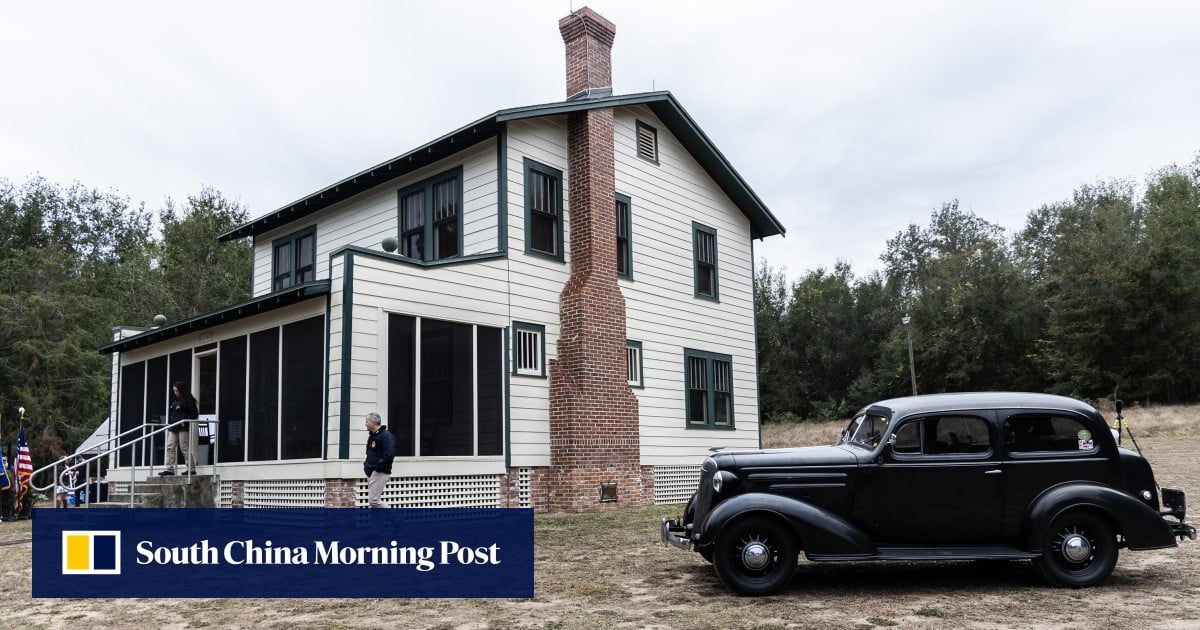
610 571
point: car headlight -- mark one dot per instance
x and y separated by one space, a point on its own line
723 479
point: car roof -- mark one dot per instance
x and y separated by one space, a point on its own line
897 407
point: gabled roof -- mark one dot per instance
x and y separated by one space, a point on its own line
663 104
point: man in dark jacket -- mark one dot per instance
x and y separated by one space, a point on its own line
381 450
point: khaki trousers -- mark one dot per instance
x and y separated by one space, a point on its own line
375 485
184 442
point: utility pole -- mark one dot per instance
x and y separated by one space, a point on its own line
912 369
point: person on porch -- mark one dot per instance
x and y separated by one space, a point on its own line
183 407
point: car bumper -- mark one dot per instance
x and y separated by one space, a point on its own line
1182 530
675 534
1176 506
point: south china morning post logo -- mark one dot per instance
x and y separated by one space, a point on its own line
91 552
318 552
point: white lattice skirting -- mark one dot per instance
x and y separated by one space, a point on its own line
284 493
448 491
672 484
524 487
675 484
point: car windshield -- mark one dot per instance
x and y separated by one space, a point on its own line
865 430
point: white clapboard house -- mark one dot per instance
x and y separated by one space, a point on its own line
551 307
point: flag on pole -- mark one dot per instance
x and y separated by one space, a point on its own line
24 469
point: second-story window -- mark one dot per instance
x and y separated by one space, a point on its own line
624 237
543 210
294 259
431 217
704 255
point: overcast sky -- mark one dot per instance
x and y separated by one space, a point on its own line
849 119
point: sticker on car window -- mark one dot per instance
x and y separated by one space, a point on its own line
1085 440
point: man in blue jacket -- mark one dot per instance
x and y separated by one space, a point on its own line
381 450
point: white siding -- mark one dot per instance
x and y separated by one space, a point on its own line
536 282
366 219
662 311
470 293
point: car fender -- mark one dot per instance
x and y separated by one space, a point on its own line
1142 527
820 531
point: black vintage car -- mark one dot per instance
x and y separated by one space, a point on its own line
941 477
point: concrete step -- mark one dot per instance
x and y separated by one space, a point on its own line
171 491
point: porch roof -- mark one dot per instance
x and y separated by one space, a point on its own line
253 306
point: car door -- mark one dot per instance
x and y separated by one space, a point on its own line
940 482
1044 448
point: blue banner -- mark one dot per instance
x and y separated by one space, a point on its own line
317 552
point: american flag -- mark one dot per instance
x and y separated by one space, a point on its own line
23 467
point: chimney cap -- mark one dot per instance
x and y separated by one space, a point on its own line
584 22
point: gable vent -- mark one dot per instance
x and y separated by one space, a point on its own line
647 142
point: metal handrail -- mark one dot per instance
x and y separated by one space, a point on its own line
59 478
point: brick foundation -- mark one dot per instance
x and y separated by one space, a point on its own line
340 493
543 479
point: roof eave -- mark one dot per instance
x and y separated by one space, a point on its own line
663 104
253 306
379 174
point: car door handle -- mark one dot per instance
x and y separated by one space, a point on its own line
992 472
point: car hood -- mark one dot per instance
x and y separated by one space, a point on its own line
790 457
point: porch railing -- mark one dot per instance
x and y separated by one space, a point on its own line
138 442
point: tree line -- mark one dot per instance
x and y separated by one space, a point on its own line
1097 296
74 263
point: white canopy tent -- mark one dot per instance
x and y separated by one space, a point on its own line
95 441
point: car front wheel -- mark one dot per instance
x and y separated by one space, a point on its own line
1080 550
755 555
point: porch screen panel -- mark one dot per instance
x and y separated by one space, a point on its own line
400 418
262 430
181 369
133 399
303 372
491 388
447 405
158 392
231 403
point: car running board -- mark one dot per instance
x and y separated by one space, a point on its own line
940 552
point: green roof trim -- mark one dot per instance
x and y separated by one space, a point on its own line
663 104
254 306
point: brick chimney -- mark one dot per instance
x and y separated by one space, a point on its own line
589 40
593 412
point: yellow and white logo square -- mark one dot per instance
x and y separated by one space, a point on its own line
91 552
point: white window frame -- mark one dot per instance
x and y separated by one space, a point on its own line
529 349
636 376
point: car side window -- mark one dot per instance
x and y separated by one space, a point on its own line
942 435
1046 433
908 438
